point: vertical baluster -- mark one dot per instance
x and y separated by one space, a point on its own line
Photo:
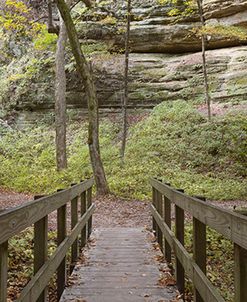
83 211
3 271
61 235
74 220
179 232
240 273
167 218
154 204
89 203
159 209
240 270
40 246
199 248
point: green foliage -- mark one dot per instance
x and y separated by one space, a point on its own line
17 29
45 40
16 17
20 268
109 20
174 143
179 8
177 144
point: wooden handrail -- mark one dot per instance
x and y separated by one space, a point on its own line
230 224
15 220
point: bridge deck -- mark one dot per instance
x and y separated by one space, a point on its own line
120 267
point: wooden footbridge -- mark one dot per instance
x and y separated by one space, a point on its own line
121 265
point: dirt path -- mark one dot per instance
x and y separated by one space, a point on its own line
10 199
111 211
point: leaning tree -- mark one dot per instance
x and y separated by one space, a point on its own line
86 78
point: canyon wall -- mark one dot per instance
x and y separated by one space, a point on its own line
165 60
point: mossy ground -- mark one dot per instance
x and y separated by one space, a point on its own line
175 143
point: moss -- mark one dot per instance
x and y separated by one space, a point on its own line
154 73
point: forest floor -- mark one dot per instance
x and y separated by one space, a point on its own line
111 211
219 109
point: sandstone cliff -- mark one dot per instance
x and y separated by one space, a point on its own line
165 63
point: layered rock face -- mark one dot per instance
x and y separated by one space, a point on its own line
153 30
160 67
161 77
165 63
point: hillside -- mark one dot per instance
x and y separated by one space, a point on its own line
174 142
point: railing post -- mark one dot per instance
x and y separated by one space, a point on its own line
199 248
74 220
154 201
160 211
240 271
89 203
61 234
179 232
168 221
3 271
40 246
83 211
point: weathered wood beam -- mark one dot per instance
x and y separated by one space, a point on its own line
200 281
232 225
15 220
37 284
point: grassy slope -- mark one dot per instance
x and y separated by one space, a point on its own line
174 143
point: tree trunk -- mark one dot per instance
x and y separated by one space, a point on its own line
205 74
126 78
60 99
86 77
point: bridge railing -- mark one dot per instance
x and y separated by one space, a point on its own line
231 225
15 220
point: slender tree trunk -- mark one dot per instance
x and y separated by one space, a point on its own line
204 64
126 79
60 99
86 77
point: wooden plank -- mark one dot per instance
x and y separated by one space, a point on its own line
179 232
154 225
240 273
74 220
37 284
83 211
3 271
159 209
109 277
199 249
232 225
89 202
168 221
41 249
15 220
61 235
200 281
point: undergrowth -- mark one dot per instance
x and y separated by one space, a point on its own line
220 262
175 143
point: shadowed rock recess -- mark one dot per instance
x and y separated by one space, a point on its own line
165 61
